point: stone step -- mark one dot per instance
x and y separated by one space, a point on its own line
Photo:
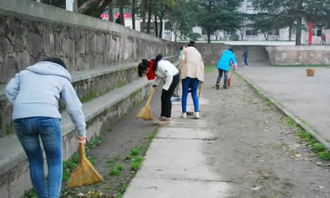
99 112
88 84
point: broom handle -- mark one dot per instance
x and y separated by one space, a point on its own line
150 96
200 90
82 153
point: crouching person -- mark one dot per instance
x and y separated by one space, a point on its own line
34 94
167 72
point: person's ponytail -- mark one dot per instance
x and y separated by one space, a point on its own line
157 59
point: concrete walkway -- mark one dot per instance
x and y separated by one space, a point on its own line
176 166
305 98
239 148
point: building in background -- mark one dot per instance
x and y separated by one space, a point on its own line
312 34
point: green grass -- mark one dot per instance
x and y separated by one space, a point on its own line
324 155
318 147
209 68
69 165
321 151
116 170
135 151
30 194
93 142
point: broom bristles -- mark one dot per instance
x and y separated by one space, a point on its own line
230 79
145 113
84 173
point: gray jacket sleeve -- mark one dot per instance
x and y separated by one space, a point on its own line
74 108
12 89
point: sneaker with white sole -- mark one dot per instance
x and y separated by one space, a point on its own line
196 115
184 115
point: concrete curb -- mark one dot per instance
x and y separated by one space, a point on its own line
286 112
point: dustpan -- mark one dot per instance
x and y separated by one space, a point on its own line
145 113
84 173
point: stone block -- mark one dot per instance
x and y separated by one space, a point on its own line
19 179
4 186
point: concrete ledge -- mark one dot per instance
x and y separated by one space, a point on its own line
286 112
99 112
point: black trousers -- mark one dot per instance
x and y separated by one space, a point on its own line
220 75
166 106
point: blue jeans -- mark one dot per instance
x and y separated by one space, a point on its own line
30 131
193 84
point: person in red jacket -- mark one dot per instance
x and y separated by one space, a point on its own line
150 72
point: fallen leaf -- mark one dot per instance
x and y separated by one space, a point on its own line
257 188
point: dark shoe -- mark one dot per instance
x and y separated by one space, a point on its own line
225 86
217 86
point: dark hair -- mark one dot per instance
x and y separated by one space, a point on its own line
181 48
142 67
230 49
191 43
157 59
56 60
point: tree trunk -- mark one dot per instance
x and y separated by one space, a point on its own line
156 26
298 31
110 13
299 23
266 36
290 32
144 11
161 27
121 12
149 15
133 13
208 37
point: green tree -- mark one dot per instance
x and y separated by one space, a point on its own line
219 15
290 13
183 17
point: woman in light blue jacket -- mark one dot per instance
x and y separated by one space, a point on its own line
34 94
227 59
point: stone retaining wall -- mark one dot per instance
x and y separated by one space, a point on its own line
211 52
299 55
83 42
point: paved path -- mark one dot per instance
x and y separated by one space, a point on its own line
307 98
239 148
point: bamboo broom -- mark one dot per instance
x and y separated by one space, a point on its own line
145 113
230 79
85 172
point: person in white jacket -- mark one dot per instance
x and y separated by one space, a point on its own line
35 93
167 72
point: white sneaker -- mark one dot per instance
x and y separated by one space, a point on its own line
196 115
184 115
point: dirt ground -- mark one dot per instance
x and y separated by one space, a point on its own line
127 140
256 152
